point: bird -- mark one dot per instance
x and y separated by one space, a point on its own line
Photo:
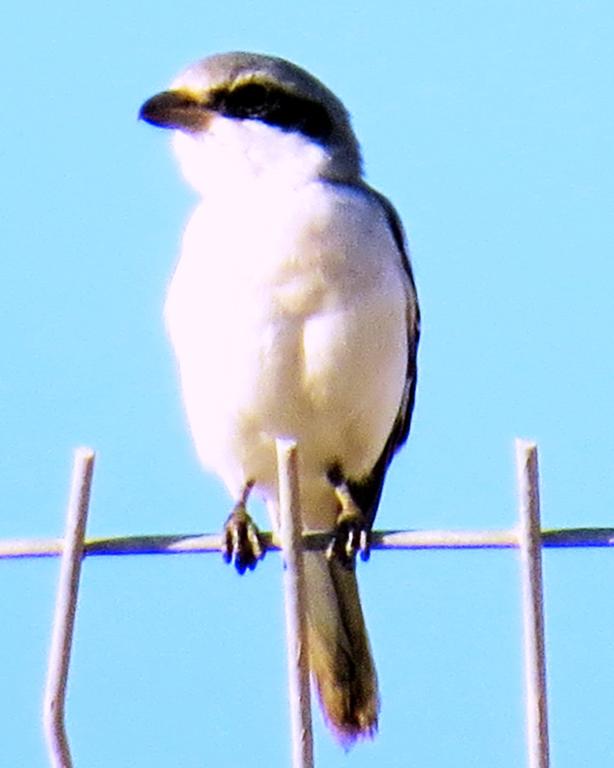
293 314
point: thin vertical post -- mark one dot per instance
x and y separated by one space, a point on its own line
294 597
65 608
530 545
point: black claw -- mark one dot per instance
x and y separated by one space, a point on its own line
352 531
365 545
242 542
351 536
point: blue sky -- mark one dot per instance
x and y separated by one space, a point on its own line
489 124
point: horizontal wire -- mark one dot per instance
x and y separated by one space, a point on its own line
176 544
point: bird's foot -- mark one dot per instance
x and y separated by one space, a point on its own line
241 539
352 532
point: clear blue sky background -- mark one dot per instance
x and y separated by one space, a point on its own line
490 126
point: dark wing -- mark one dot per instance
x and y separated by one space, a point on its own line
367 491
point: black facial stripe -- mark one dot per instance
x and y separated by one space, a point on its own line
258 101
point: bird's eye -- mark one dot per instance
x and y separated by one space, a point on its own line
252 96
275 106
246 101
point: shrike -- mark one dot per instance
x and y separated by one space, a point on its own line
293 314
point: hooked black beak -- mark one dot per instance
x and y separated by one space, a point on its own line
176 109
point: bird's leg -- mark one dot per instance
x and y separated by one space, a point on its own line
352 530
241 540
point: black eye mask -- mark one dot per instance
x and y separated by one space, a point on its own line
274 106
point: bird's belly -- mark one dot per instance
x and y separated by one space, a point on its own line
312 352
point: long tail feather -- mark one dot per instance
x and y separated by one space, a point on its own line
339 652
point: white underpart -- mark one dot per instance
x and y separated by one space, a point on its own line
287 312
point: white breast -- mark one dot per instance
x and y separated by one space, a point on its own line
287 315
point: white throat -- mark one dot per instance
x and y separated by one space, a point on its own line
234 153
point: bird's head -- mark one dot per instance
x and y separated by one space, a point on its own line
238 114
